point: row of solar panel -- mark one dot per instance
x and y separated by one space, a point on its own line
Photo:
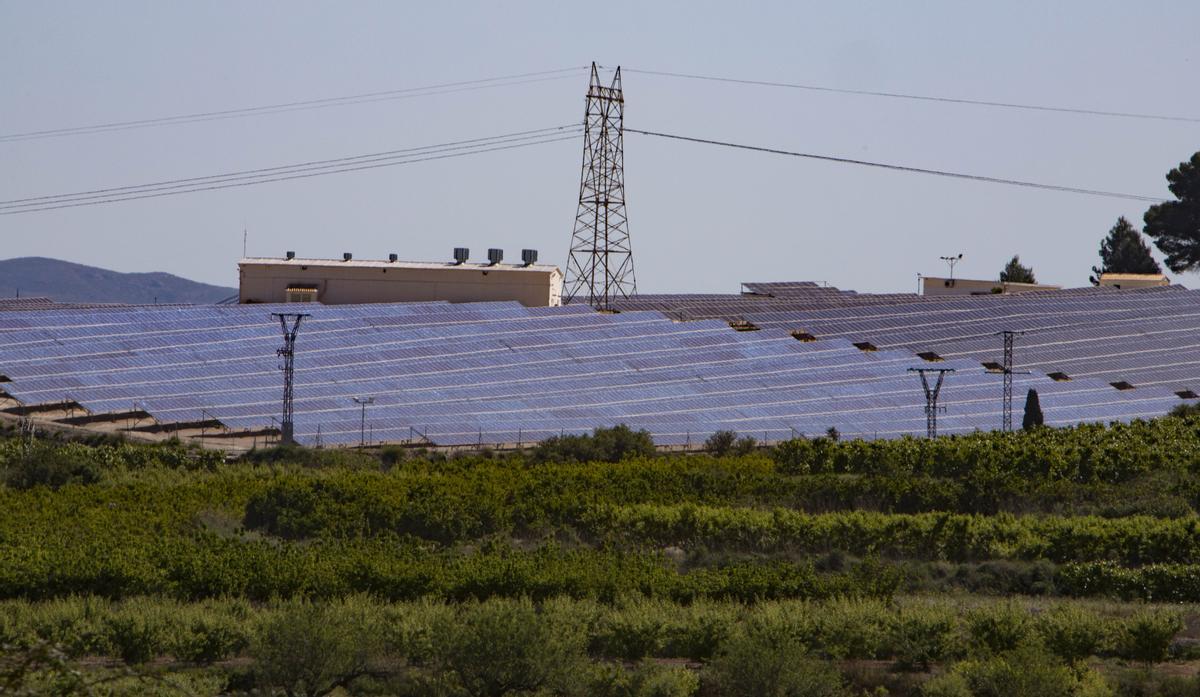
457 373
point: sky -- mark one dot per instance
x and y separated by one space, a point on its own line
702 218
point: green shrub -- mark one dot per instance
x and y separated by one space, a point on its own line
208 640
646 679
1027 672
998 628
1070 633
51 465
603 445
921 636
136 638
305 649
757 664
507 646
1146 636
721 443
635 629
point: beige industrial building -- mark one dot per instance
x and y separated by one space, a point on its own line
931 285
348 281
1133 280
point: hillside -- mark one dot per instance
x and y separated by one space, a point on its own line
69 282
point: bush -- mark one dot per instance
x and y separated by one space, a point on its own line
647 679
720 443
921 636
51 465
308 650
507 646
998 628
767 664
604 445
135 637
1026 672
208 640
1147 635
1070 633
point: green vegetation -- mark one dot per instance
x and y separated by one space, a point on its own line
1050 561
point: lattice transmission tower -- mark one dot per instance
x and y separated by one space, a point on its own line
600 265
290 323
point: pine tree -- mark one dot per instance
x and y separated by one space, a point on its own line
1033 411
1015 272
1175 225
1124 251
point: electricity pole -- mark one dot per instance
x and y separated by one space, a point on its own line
290 323
1006 396
931 396
362 424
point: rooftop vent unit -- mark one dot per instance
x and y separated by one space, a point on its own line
290 255
803 336
932 357
528 257
1058 376
865 346
347 256
1182 394
461 254
1122 385
495 256
393 257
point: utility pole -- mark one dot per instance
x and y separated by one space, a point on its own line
290 323
931 396
362 424
1006 396
951 261
600 264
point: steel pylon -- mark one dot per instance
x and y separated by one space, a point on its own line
600 264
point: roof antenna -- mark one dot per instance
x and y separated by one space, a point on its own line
951 261
244 236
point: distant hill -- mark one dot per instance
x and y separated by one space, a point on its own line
68 282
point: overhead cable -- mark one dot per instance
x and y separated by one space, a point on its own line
367 97
298 166
198 184
920 97
904 168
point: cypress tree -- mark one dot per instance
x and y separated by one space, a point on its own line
1033 411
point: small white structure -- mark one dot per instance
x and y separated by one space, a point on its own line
931 285
1133 280
349 281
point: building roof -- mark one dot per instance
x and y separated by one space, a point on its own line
1133 276
385 264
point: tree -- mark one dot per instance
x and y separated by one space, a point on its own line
1175 225
1124 251
1033 411
1014 272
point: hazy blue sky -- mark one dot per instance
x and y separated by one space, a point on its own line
702 219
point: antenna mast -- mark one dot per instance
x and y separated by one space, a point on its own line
290 323
931 397
600 265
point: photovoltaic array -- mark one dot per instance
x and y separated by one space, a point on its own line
499 373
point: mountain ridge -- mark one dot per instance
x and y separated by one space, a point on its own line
67 281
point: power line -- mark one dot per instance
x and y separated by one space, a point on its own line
922 97
299 166
905 168
426 156
367 97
